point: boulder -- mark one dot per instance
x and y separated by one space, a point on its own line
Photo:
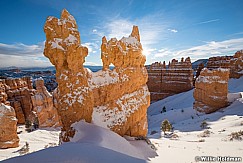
211 89
8 127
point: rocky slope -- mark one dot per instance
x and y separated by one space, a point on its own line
165 81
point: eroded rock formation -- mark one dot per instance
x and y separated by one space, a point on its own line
43 106
121 95
64 50
233 63
211 89
8 121
164 81
19 93
118 98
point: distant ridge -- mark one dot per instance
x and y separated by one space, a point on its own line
197 62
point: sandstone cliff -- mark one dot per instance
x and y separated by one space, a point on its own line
211 89
164 81
117 99
8 121
43 105
19 91
121 95
233 63
63 48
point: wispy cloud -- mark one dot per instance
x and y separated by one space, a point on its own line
20 49
208 21
93 47
173 30
22 55
212 48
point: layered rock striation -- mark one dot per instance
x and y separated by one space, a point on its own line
211 89
117 99
233 63
164 81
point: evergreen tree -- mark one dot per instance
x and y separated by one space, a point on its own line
165 126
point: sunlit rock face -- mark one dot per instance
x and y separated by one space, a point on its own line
44 107
63 48
117 99
164 81
121 95
19 91
211 89
8 121
233 63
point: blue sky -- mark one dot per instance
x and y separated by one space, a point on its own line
168 28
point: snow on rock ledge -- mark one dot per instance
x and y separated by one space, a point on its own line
211 89
121 92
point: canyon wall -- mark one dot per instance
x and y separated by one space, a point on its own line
8 121
116 99
211 89
164 81
233 63
19 93
30 104
43 105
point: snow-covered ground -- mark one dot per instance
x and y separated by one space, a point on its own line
97 144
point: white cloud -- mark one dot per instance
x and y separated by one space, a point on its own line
91 64
22 55
151 30
208 21
173 30
93 47
212 48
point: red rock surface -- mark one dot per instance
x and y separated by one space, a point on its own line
233 63
19 93
119 97
64 50
43 106
8 127
166 81
211 89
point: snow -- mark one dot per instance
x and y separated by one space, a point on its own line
126 105
131 41
55 44
71 40
93 143
186 122
102 78
38 140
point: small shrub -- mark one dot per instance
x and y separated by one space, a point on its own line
201 140
204 124
28 123
165 126
25 149
205 133
236 135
